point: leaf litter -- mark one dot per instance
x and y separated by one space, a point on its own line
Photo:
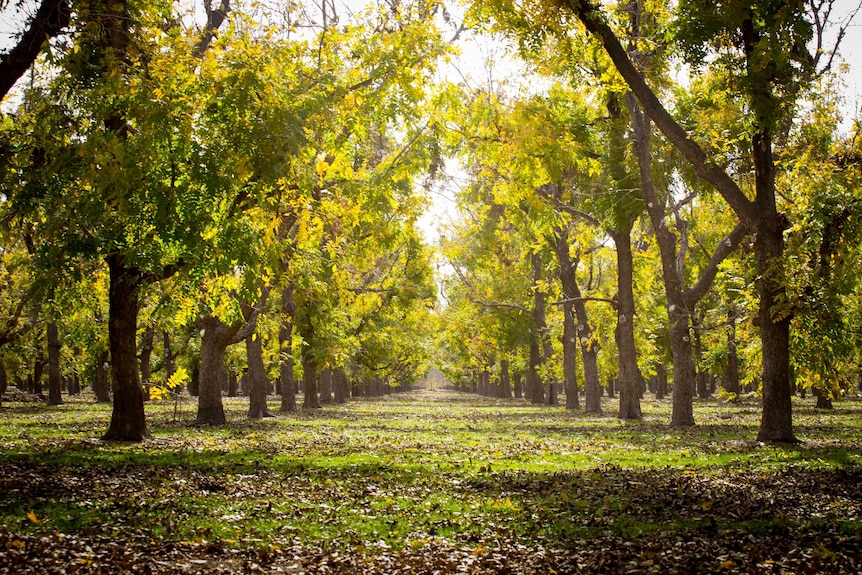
424 503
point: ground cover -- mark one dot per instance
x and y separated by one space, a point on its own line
426 482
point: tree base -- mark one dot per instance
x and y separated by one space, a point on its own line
260 413
125 435
213 416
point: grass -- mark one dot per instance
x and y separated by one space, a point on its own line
408 468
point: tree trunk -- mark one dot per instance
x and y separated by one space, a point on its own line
660 381
195 380
731 378
102 381
672 264
214 341
55 381
569 281
589 355
215 337
147 345
552 392
326 385
570 357
540 336
776 423
505 380
630 379
285 341
823 399
517 387
309 381
128 421
704 380
340 385
535 389
75 384
684 372
170 360
257 380
50 20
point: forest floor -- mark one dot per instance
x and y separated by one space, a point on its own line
429 482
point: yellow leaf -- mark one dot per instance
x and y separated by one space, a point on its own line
729 564
564 496
19 544
33 519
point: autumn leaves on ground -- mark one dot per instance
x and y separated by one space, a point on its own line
429 482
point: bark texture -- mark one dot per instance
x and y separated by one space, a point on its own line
52 17
630 381
128 422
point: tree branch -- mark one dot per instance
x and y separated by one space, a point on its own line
250 313
215 18
50 20
727 246
591 17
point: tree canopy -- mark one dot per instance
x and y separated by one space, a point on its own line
666 200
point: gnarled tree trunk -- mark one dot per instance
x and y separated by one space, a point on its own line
216 336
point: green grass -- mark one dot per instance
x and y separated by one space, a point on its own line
408 468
